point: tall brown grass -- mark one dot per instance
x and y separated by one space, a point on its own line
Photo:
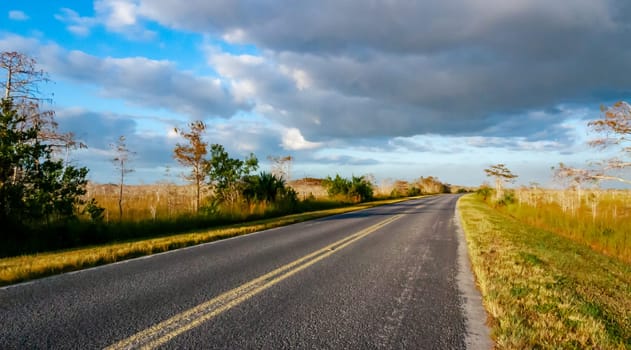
164 201
144 202
598 218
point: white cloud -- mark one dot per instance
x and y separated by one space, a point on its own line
76 24
300 77
139 81
117 16
235 36
116 13
294 141
17 15
400 68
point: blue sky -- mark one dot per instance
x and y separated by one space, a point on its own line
395 89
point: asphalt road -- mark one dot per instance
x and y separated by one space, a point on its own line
392 277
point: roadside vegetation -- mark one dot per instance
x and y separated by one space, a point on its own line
543 290
27 267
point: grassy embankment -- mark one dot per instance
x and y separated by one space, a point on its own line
27 267
543 290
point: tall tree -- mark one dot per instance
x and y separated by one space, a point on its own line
35 188
502 175
193 155
121 162
35 185
21 85
22 77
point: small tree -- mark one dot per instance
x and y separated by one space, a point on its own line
484 191
121 162
357 189
192 154
360 190
225 174
268 188
336 186
502 175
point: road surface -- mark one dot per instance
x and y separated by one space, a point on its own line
391 277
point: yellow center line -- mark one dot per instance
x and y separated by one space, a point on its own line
164 331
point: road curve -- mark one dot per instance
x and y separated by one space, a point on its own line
394 276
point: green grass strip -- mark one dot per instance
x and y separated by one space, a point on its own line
28 267
544 291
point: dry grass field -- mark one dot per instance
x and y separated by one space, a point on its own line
168 200
143 202
600 219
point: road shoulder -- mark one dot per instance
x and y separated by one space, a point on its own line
477 334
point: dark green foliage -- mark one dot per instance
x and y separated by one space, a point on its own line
226 173
35 189
94 211
414 191
336 186
361 190
357 189
268 188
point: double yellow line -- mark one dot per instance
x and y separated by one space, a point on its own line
166 330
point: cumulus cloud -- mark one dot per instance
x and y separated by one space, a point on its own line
294 141
137 80
121 16
75 23
118 16
407 68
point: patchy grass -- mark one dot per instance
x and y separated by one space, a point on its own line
542 290
27 267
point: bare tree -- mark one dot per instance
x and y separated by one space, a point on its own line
281 166
121 162
615 130
574 177
21 85
22 76
193 155
502 175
